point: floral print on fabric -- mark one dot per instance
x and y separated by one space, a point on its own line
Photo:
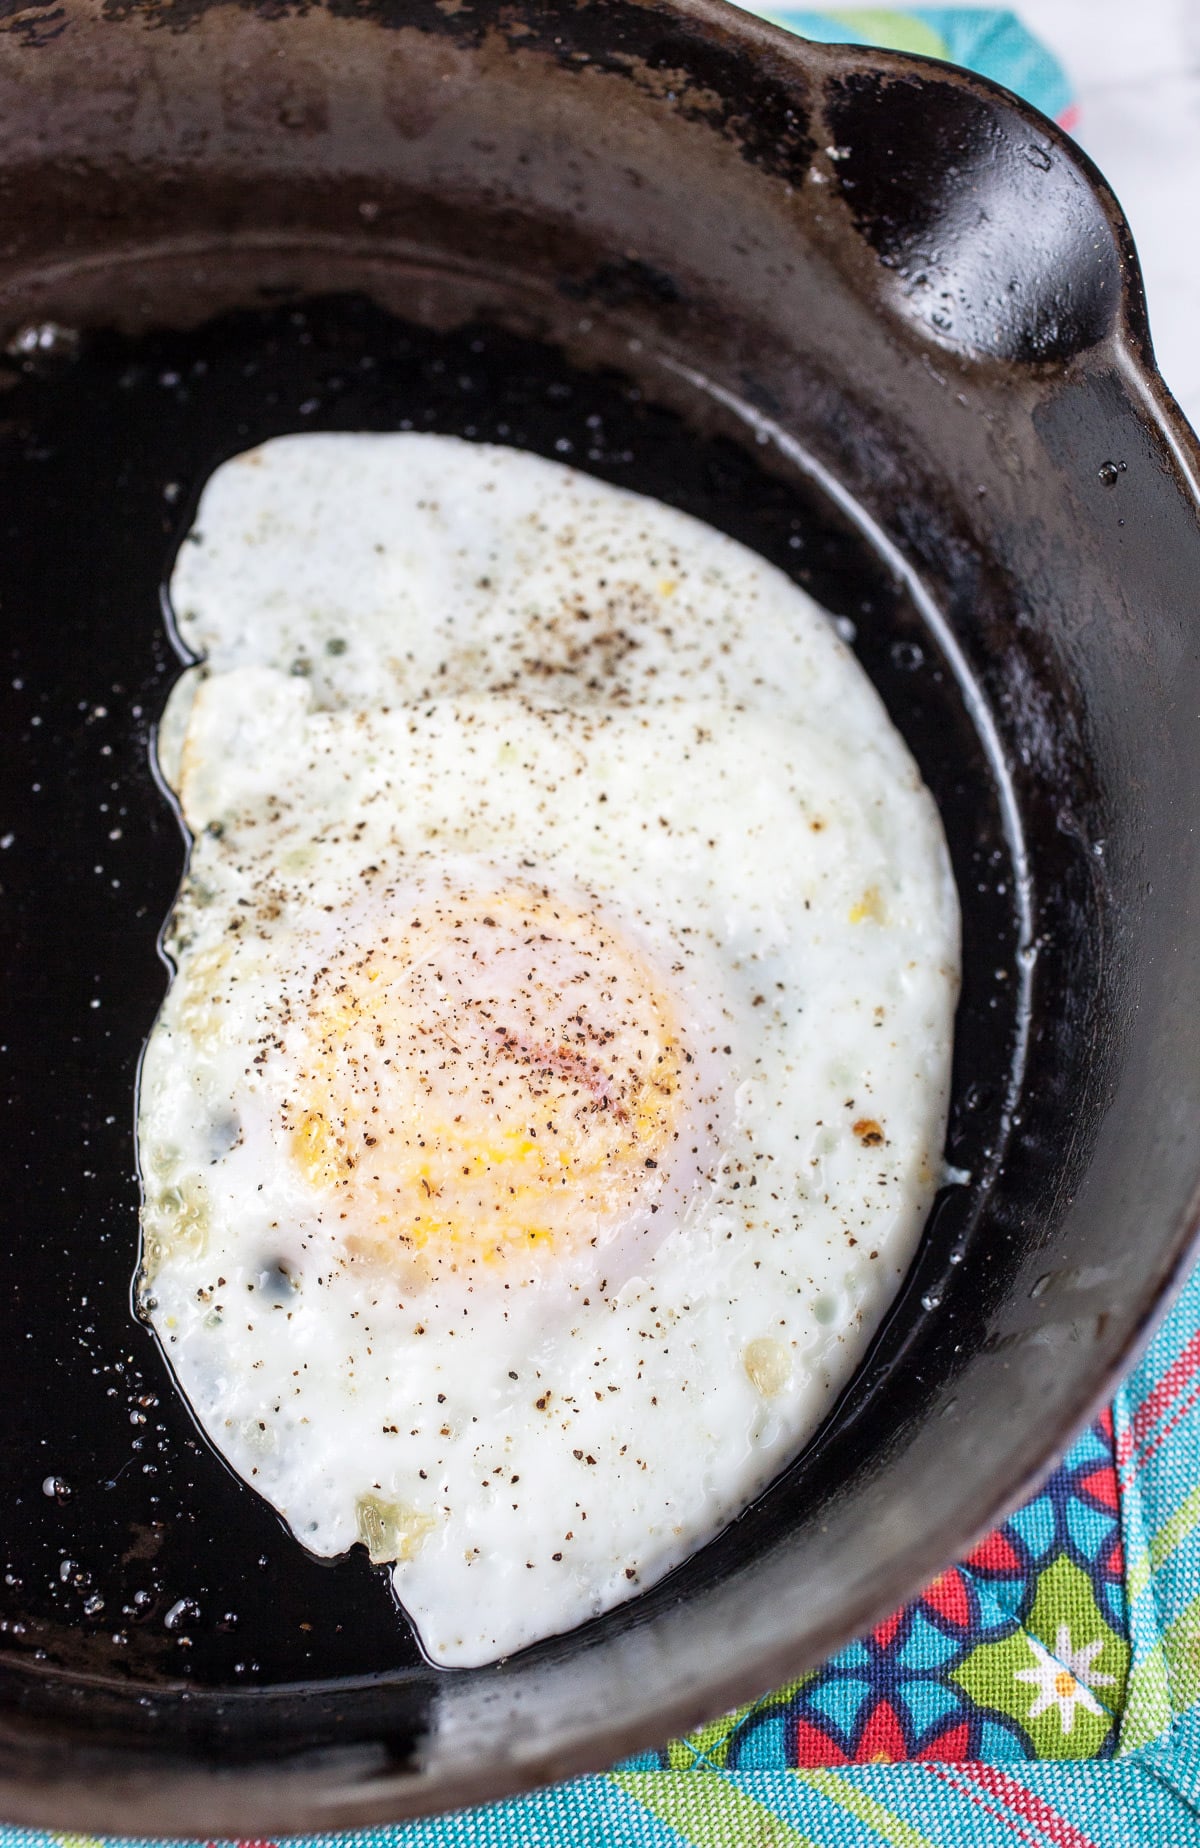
1018 1652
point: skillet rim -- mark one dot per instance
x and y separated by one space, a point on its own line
271 1797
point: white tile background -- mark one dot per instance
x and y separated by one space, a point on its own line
1135 66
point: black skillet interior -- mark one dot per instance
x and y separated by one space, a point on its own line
878 321
129 1549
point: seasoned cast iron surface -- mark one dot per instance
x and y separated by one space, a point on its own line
128 1548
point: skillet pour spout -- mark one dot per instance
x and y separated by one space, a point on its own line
870 314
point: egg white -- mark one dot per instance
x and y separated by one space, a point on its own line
433 673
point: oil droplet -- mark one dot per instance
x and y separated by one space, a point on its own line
907 656
184 1610
44 339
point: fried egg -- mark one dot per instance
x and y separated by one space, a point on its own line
552 1083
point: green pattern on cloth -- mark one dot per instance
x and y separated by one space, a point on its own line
1061 1674
708 1747
870 25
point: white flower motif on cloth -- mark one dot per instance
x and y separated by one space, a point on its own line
1065 1679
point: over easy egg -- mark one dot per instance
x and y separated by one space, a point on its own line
552 1085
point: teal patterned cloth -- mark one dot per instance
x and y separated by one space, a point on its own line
1044 1692
986 39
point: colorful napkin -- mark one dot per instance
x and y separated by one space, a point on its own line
1043 1693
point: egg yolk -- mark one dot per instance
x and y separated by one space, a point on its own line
489 1079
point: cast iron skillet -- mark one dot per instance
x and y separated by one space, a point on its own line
869 314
